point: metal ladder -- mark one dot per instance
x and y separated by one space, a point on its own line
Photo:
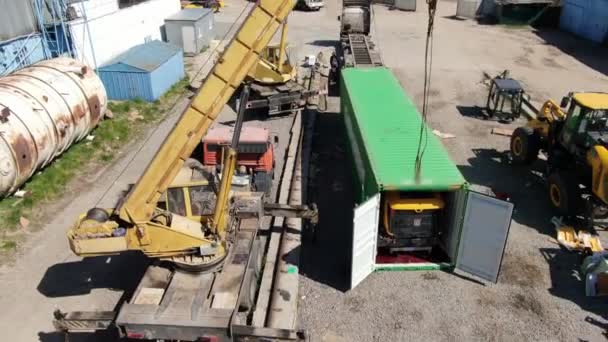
363 54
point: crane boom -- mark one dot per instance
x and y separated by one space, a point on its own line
239 57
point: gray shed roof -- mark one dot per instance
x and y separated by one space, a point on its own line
189 14
144 57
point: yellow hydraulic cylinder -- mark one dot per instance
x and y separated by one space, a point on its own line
220 215
282 44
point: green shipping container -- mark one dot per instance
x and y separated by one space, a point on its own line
386 126
383 130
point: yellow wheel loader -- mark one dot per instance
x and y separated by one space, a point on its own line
574 135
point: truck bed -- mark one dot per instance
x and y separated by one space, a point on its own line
175 304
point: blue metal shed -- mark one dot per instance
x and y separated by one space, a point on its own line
144 71
586 18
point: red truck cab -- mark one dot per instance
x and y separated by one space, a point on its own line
255 152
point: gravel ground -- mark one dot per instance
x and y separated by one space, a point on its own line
539 296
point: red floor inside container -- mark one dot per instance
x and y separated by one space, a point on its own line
387 257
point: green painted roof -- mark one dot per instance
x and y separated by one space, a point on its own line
390 126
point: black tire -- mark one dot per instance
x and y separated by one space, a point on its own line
525 146
97 214
564 194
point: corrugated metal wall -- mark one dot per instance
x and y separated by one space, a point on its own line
124 82
20 52
167 75
586 18
116 32
16 18
127 85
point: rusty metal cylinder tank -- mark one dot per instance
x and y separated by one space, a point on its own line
44 109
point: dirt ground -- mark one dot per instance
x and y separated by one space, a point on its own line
538 296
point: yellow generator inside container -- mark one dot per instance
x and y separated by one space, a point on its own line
410 220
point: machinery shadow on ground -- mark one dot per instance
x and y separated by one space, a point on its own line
454 17
104 336
325 43
588 53
567 283
492 169
120 272
324 256
471 111
481 113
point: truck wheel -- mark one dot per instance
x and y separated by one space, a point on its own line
524 145
564 194
97 214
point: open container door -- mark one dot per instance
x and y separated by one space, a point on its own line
485 230
365 235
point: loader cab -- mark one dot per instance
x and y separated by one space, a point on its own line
587 122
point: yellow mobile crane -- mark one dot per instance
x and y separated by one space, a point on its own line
214 303
137 224
274 80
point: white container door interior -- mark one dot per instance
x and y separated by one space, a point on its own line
365 231
484 236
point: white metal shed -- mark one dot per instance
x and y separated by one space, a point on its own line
192 29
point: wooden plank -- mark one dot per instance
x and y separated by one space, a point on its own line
283 311
149 295
502 131
228 283
260 313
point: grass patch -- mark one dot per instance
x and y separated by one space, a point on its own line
129 120
8 245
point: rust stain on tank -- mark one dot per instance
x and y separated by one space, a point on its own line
79 111
62 125
23 152
42 141
95 107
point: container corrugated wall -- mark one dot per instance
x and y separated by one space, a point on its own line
43 110
391 144
587 19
